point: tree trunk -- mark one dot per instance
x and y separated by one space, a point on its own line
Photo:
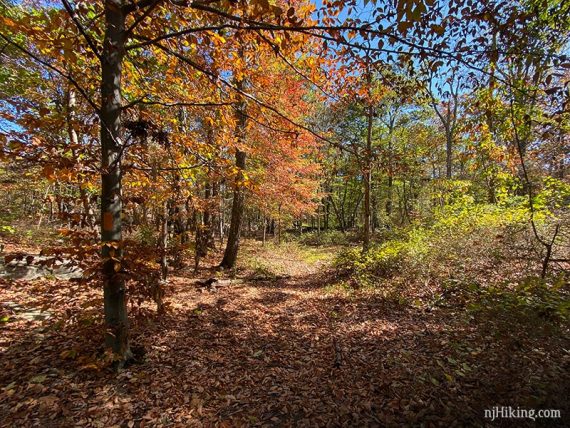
264 230
319 219
209 218
164 241
232 246
279 226
448 149
389 199
339 217
111 204
367 182
158 291
216 214
327 215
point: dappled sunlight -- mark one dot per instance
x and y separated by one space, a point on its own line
271 352
277 213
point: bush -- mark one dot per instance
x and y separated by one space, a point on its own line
380 261
531 298
325 238
146 235
465 241
7 230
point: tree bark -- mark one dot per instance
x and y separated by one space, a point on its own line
367 182
164 241
389 199
232 245
264 230
111 199
448 154
279 226
208 217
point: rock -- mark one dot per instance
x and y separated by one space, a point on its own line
29 314
29 267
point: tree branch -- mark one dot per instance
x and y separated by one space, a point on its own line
55 69
247 95
82 30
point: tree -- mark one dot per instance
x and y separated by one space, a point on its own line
172 69
447 112
232 245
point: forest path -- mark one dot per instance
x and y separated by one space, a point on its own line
287 352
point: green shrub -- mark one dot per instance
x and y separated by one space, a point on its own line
530 298
379 262
260 269
146 235
461 237
7 230
325 238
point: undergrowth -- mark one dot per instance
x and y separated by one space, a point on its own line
486 254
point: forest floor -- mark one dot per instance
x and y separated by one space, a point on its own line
287 350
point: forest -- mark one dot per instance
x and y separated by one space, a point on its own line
235 213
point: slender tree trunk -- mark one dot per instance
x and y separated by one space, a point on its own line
232 245
215 214
71 105
343 208
279 226
319 219
209 217
338 215
389 200
48 199
264 230
158 291
351 221
164 241
448 152
367 183
327 214
111 204
222 218
200 240
88 214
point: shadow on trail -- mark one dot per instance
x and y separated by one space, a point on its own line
284 353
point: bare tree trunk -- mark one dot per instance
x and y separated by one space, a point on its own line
164 241
232 245
158 292
200 244
448 117
327 214
111 199
367 182
264 230
208 218
339 216
319 219
448 153
221 218
46 199
389 200
279 226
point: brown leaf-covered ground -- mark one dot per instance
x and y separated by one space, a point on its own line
285 352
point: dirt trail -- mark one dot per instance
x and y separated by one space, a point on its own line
275 353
